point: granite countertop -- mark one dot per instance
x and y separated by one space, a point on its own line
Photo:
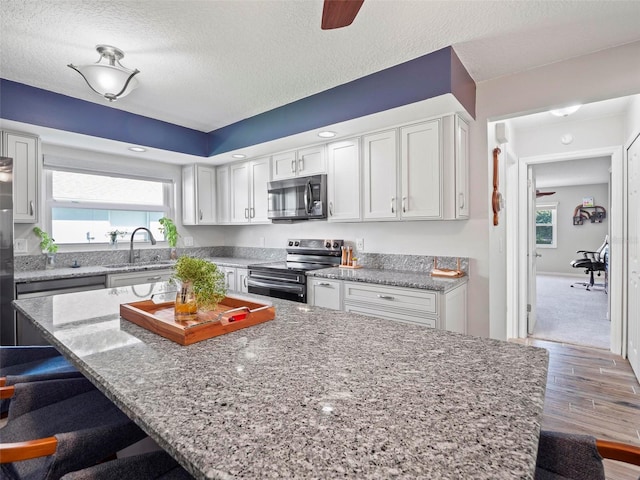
314 393
58 273
395 278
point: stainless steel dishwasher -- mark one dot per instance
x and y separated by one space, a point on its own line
26 334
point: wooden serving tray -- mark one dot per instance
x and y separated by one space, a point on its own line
230 315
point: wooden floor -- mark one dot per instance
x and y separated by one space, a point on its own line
592 391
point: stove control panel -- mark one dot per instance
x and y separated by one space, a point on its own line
328 245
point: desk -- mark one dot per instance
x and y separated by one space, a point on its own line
313 393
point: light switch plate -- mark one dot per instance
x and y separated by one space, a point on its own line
20 245
188 241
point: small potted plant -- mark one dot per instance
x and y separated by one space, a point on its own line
202 286
113 237
171 234
48 247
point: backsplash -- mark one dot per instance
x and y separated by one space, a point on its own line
409 263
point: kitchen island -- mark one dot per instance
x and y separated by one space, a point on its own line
313 393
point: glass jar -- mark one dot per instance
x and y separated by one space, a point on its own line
186 307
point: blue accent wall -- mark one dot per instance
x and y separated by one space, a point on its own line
22 103
425 77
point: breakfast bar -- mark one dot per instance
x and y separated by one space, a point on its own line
313 393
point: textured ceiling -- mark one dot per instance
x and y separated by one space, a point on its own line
206 64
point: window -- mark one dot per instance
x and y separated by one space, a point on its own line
83 207
546 230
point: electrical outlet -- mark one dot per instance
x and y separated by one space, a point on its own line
188 241
20 246
360 244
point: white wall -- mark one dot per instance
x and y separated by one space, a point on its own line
606 74
570 237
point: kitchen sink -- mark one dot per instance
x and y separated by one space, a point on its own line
139 264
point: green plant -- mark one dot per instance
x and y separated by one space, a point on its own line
47 244
169 231
207 281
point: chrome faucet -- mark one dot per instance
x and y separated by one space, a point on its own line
153 242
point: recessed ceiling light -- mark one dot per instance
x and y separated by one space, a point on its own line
137 149
238 155
327 134
565 112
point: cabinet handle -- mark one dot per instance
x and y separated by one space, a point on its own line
293 166
153 279
252 212
331 208
386 297
393 201
404 199
200 214
31 208
461 200
324 284
301 165
246 213
244 282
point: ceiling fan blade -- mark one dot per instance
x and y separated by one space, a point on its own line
339 13
543 194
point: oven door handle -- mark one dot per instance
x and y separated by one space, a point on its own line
277 286
266 276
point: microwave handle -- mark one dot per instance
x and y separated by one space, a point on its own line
307 196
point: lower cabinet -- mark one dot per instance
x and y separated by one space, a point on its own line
242 280
135 278
324 293
443 310
235 279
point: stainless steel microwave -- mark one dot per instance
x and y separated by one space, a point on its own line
300 198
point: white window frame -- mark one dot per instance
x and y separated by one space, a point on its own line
553 206
168 207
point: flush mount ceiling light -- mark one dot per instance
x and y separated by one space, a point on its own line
110 80
238 155
137 149
327 134
565 112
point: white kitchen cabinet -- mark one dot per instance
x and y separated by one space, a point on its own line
421 171
223 195
297 163
380 176
444 310
242 280
136 278
249 197
23 149
198 195
343 181
325 293
229 277
455 141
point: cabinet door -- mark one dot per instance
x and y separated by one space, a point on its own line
259 205
455 310
343 181
24 151
380 176
239 174
223 194
229 278
462 168
189 195
206 195
325 293
421 171
311 161
242 280
284 165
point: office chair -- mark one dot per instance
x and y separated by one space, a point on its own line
594 262
569 456
58 426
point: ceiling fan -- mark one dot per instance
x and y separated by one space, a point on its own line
543 194
339 13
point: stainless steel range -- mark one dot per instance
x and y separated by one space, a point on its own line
287 279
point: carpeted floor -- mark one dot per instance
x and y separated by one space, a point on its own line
571 315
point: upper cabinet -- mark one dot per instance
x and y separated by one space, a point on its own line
343 185
249 197
23 148
303 162
223 194
198 195
380 176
